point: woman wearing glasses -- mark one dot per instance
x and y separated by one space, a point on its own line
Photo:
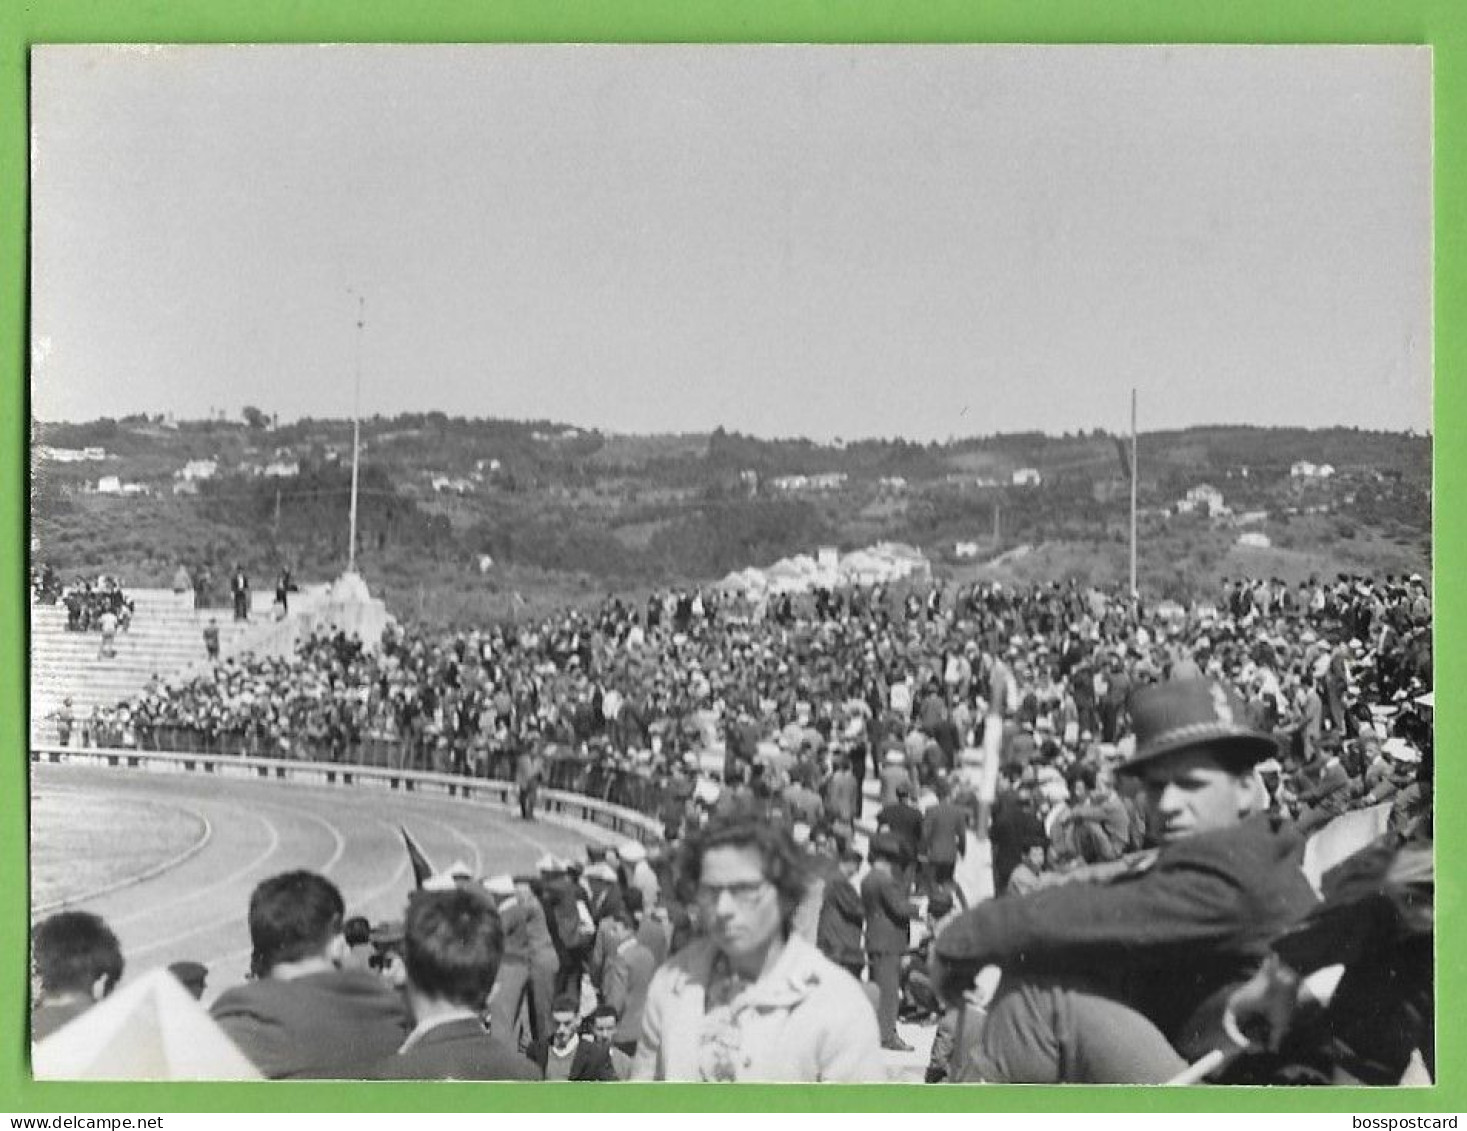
752 1001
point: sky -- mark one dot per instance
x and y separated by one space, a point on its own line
828 242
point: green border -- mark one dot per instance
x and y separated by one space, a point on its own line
1441 23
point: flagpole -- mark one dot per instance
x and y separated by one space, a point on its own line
356 436
1134 477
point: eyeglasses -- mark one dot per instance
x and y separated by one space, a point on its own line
745 893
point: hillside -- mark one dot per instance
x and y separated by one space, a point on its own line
483 518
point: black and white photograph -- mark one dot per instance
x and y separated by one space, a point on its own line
731 564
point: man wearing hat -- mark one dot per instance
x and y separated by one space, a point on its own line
888 929
1124 981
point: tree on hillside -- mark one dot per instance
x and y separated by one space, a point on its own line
254 418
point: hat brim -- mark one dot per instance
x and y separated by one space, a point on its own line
1235 740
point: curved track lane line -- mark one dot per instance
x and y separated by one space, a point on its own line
365 900
142 877
338 851
208 889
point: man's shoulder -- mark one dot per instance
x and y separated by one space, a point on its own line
337 987
461 1051
1261 840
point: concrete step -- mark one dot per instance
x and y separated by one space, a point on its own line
166 639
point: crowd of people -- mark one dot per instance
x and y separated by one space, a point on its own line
850 674
93 604
1144 781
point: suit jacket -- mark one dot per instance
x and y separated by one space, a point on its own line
527 769
842 918
944 833
888 913
841 794
592 1059
559 900
329 1026
628 974
526 933
1171 940
457 1050
906 821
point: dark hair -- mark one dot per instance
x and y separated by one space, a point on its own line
72 949
784 863
292 916
566 1003
605 1010
357 931
453 946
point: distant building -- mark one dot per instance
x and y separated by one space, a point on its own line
965 550
892 483
1255 540
113 485
445 485
1303 469
1252 518
72 455
197 469
828 481
1026 477
486 563
827 559
282 469
1203 497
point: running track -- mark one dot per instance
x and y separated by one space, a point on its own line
196 909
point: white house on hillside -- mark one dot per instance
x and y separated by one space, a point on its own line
197 469
72 455
1027 477
1204 495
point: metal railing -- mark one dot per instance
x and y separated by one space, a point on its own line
621 801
